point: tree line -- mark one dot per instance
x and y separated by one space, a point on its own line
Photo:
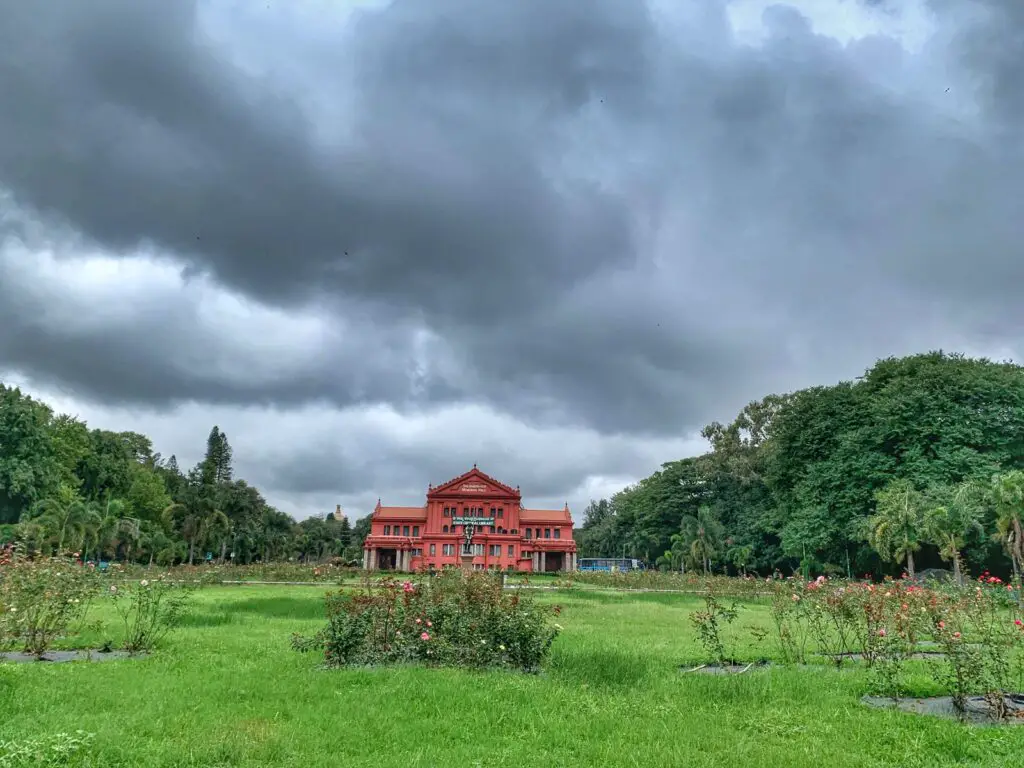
67 487
917 464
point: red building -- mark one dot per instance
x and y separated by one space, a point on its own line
506 536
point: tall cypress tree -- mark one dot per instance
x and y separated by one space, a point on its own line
216 465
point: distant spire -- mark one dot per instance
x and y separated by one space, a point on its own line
474 465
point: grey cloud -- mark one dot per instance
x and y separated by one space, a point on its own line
508 176
385 468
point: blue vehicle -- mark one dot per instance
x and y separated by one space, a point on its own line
612 564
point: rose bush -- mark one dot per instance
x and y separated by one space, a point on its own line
149 609
43 599
452 619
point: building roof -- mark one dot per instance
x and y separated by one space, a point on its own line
474 474
400 513
560 516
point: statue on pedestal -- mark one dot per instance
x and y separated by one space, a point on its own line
467 538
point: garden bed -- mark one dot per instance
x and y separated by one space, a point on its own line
976 711
915 656
725 669
18 657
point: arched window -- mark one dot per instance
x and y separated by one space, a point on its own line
444 529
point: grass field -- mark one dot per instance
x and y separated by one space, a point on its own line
227 690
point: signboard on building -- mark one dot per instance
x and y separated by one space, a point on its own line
473 487
473 520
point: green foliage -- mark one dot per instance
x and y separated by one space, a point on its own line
60 749
149 609
794 478
896 529
451 620
42 600
708 624
29 466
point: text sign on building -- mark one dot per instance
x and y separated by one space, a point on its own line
473 520
473 487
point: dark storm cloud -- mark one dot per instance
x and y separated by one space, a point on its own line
606 220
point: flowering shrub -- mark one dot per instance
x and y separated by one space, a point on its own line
149 609
789 614
832 618
708 624
980 640
42 600
452 619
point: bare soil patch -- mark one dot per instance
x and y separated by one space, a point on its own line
977 711
58 657
726 669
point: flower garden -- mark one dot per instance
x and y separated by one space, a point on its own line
336 668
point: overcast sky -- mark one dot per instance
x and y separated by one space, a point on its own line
378 242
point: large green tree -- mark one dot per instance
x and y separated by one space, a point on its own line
30 469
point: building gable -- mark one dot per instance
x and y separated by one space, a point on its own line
474 483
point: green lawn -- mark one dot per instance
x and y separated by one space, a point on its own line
227 690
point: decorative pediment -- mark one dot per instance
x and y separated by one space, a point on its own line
474 483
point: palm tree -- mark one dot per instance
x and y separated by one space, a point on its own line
66 521
949 523
700 537
1008 495
114 526
895 530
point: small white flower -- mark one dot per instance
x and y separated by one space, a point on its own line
113 589
501 647
143 583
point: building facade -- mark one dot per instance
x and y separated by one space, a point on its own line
506 536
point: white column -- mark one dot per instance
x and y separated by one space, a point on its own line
403 556
373 559
535 561
543 562
366 559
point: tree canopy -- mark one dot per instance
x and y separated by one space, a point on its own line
795 479
109 494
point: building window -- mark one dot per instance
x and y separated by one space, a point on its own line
448 549
528 532
387 530
444 529
447 512
478 550
494 512
536 533
501 512
495 550
491 529
547 533
511 550
558 533
405 530
433 549
416 531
